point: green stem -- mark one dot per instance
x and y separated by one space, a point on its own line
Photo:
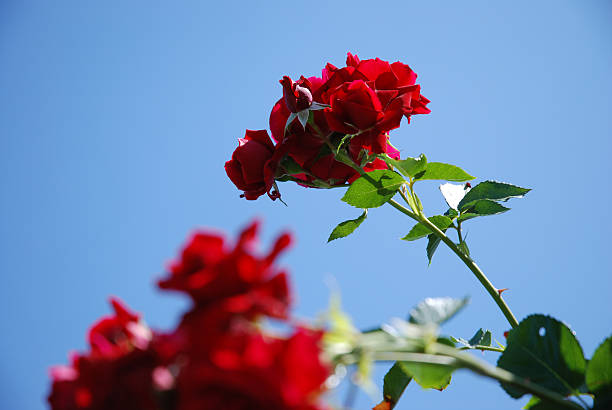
488 348
459 232
448 356
482 278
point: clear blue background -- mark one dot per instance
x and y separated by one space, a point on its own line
116 119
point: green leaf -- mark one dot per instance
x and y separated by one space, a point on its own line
341 330
445 172
481 338
432 244
318 106
303 117
373 189
290 119
409 166
599 370
395 383
292 167
451 213
429 376
463 247
546 352
482 207
536 404
492 190
347 227
436 310
419 230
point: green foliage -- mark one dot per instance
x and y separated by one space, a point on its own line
345 140
347 227
303 117
291 166
395 383
419 230
536 404
482 207
373 189
546 352
491 190
410 167
445 172
481 338
429 376
463 247
432 244
341 330
436 310
599 374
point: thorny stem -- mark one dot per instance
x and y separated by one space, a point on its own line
459 232
482 278
440 354
447 356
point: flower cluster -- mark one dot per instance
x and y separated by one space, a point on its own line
217 357
349 110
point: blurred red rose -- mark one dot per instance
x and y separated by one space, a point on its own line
118 372
231 279
250 371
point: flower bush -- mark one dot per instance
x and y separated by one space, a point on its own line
326 132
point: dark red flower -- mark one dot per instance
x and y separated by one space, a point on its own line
247 370
356 109
252 166
118 372
291 103
365 99
297 95
391 82
114 335
231 279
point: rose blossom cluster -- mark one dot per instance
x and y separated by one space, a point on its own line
349 110
218 357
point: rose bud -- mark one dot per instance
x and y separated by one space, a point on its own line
247 168
297 95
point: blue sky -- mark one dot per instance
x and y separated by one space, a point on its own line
116 119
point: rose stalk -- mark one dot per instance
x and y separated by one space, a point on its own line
332 130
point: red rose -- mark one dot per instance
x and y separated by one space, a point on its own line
118 372
231 279
391 82
356 109
297 95
251 168
113 335
250 371
93 383
365 99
